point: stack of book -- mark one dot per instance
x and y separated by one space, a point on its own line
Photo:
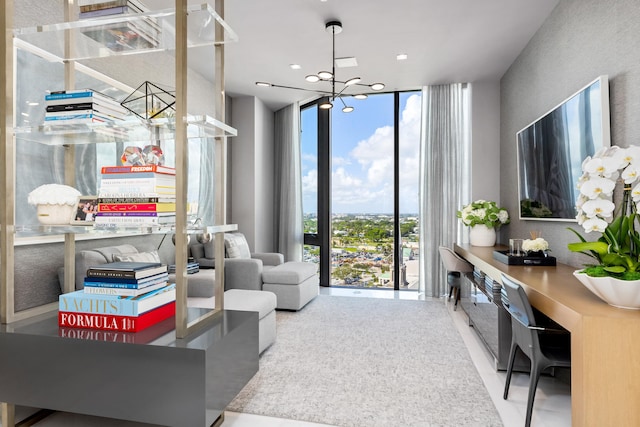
132 196
72 107
140 33
120 296
192 267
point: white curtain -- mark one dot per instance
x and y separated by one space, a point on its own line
444 178
288 184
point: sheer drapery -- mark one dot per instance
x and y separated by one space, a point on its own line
288 184
444 178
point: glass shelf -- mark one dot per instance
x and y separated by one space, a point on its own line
35 230
128 34
130 130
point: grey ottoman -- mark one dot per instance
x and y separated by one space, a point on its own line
294 283
262 302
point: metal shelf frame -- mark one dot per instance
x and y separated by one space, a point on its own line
214 127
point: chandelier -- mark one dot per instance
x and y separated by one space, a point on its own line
333 27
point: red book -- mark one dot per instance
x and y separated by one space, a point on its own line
145 168
146 336
137 207
108 322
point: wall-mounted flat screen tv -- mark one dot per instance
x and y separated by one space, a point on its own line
552 148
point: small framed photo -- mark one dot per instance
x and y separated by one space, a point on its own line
86 210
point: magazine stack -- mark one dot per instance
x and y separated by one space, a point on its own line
120 297
143 33
136 196
81 106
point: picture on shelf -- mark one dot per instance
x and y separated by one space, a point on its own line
85 212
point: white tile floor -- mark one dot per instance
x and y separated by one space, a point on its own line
552 406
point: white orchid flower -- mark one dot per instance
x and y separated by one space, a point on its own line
635 193
630 174
601 166
594 224
630 155
581 201
581 218
601 208
597 187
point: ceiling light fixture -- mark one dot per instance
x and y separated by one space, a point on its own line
333 27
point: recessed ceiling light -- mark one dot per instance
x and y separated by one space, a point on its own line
295 66
402 56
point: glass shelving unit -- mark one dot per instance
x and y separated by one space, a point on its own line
102 37
195 28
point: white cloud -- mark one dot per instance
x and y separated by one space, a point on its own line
340 161
308 157
369 187
310 182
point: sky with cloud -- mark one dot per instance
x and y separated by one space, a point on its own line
362 156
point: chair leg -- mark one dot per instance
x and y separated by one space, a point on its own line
450 291
512 358
536 370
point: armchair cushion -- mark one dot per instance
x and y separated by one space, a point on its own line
269 258
236 246
138 257
243 274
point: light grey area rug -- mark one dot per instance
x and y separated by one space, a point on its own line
350 361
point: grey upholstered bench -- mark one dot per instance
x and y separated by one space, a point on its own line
262 302
294 283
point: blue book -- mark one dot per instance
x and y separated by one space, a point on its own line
68 95
127 270
117 305
125 283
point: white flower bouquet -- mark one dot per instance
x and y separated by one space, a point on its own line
483 212
535 245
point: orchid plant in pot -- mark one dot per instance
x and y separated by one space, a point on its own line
483 217
614 274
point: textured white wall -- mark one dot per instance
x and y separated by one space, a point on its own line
581 40
252 172
485 140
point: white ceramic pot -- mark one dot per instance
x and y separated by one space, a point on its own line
481 235
615 292
55 214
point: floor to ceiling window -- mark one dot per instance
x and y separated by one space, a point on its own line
367 194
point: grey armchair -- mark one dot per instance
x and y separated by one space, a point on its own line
242 269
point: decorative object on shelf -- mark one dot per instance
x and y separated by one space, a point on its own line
333 27
531 260
153 155
132 156
55 203
617 250
85 211
483 217
150 101
136 156
535 247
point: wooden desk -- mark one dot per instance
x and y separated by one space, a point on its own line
605 341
